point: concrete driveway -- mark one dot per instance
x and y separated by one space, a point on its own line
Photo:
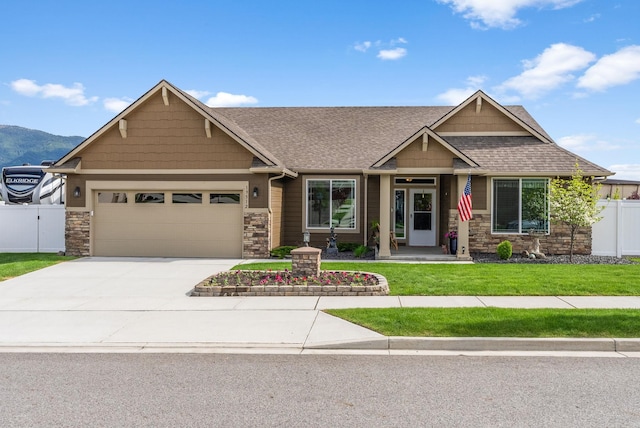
143 302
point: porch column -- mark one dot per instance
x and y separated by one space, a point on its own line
463 226
385 216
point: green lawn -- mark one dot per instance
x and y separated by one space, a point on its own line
16 264
496 322
489 279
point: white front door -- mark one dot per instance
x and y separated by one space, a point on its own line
422 217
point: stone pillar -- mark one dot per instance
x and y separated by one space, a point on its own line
463 226
77 233
255 239
305 261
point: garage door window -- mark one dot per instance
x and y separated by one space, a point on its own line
186 198
149 198
224 198
112 198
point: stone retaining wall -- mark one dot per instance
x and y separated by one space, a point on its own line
381 289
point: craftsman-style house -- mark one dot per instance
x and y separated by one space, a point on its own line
169 176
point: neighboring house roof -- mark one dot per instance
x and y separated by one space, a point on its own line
348 139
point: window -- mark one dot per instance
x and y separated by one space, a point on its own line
112 198
331 203
520 205
186 198
149 198
224 198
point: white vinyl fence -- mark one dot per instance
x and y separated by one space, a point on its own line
618 233
32 228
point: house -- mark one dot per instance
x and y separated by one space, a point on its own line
619 189
169 176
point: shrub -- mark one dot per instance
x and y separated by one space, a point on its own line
347 246
282 252
505 250
360 251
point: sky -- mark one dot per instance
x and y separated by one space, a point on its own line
68 67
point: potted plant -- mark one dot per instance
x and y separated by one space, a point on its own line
452 236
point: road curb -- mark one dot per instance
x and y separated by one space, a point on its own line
484 344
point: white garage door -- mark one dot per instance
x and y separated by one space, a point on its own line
167 224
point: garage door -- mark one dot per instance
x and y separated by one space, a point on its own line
167 224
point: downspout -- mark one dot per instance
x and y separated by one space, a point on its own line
365 227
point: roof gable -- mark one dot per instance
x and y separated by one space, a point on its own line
125 123
481 115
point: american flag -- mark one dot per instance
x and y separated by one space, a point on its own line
464 206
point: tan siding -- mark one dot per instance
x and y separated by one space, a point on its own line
414 157
479 193
165 137
292 216
488 120
277 208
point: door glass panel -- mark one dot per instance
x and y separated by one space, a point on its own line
422 221
149 198
186 198
422 202
112 198
400 214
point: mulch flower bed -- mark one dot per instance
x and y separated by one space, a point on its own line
284 283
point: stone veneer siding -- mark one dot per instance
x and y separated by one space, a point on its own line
77 233
481 240
255 239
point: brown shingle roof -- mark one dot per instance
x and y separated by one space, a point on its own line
522 155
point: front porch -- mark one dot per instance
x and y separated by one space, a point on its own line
421 254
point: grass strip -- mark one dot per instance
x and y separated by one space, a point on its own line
496 322
16 264
487 279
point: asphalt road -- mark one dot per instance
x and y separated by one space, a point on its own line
220 390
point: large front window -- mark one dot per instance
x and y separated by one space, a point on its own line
331 203
520 205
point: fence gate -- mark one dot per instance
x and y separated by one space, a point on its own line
32 228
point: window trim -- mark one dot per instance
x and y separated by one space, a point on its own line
520 231
305 205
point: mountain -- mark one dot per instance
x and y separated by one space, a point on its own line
21 145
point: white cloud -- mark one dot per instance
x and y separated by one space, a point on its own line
638 121
362 47
616 69
500 13
401 40
197 94
224 99
586 143
626 171
73 96
116 105
392 54
455 96
552 68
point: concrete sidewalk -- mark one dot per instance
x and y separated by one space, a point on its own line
142 305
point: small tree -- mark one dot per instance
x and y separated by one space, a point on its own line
574 203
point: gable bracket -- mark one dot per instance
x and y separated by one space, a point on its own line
207 127
165 96
478 104
425 142
123 128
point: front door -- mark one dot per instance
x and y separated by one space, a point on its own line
422 217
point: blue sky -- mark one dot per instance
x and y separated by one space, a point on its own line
68 67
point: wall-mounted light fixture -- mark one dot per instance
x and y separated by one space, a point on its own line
76 192
255 192
306 237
